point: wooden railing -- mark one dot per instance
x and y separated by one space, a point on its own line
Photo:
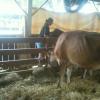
12 48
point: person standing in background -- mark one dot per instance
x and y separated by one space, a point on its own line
45 32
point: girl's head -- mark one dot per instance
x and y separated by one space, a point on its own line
49 21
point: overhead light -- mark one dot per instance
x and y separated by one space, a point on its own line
74 5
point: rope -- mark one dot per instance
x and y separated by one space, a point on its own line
39 7
20 7
96 8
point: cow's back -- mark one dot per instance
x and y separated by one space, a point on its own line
77 48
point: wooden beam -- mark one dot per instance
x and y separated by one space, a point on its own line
27 39
19 62
23 51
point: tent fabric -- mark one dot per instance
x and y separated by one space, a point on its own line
66 21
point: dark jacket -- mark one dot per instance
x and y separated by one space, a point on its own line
45 31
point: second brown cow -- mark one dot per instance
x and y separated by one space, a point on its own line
80 48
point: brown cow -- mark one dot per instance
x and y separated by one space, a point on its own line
78 48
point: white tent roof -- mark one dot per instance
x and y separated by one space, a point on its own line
9 7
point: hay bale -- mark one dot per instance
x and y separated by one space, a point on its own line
74 96
9 78
41 74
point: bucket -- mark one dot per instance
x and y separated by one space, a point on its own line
39 45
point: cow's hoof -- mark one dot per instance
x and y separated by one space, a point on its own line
58 85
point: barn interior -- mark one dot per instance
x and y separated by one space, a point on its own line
23 75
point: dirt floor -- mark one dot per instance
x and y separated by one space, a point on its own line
43 86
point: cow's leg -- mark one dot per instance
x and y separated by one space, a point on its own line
68 73
90 72
84 74
61 75
39 60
